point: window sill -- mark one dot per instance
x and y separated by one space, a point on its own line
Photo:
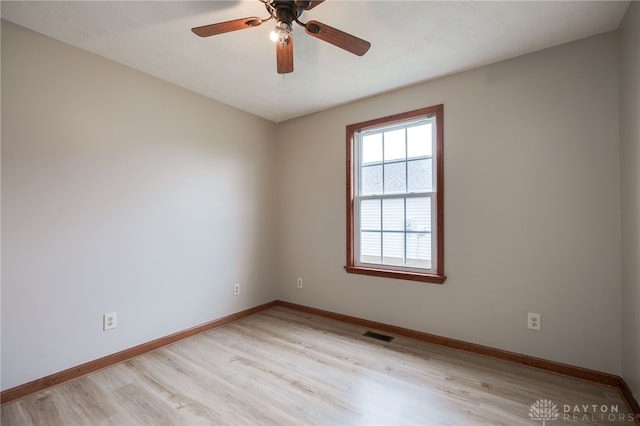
402 275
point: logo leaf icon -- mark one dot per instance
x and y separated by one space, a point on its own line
543 410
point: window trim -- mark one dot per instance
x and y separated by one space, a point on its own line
393 272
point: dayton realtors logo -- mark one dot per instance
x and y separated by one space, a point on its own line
545 410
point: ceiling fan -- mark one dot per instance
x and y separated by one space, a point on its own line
285 13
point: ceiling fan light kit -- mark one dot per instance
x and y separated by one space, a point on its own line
285 13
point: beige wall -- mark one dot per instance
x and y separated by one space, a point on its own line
532 213
630 173
123 193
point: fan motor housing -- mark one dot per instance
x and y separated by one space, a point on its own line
286 11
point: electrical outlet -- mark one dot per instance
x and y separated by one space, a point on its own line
299 282
109 321
533 321
236 289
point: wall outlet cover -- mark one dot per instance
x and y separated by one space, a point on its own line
109 321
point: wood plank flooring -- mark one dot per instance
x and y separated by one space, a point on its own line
284 367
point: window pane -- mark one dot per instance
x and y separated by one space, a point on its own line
370 247
372 148
394 146
393 248
419 250
393 214
420 175
371 177
419 214
419 141
370 214
395 177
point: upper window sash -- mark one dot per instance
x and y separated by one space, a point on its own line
406 158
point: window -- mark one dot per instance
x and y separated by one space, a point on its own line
395 196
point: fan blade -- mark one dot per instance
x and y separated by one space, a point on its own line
284 56
307 4
343 40
225 27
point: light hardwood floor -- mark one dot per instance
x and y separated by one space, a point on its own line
284 367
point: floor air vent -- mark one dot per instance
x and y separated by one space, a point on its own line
378 336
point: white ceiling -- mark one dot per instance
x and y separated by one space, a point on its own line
412 41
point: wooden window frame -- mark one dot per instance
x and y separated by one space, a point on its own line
380 270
